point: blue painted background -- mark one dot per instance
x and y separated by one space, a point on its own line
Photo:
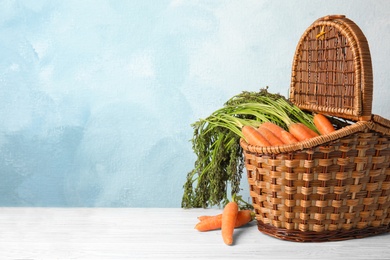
97 97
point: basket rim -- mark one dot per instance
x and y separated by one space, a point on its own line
358 126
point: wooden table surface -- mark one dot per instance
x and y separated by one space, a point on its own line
155 233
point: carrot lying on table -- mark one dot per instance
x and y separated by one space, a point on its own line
208 223
229 216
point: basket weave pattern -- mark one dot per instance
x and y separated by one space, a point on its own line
335 186
332 66
340 185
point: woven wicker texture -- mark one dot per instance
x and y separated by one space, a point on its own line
334 186
332 71
341 185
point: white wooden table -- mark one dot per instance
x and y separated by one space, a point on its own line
148 233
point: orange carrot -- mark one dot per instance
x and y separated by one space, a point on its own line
208 223
288 138
229 216
203 217
270 136
253 137
301 131
274 128
324 126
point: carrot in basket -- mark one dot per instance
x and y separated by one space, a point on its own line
269 136
283 135
299 127
229 216
253 137
323 124
274 128
208 223
301 131
288 138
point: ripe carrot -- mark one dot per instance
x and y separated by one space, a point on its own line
288 138
301 131
203 217
269 136
253 137
299 127
324 126
274 128
229 216
208 223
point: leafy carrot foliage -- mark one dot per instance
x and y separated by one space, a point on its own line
219 165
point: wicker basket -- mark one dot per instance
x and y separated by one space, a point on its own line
335 186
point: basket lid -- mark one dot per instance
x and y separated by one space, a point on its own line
332 71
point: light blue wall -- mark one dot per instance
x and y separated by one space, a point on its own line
97 97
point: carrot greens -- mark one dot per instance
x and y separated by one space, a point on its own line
219 161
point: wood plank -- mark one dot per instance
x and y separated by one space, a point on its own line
149 233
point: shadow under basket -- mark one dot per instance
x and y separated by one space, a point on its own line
335 186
